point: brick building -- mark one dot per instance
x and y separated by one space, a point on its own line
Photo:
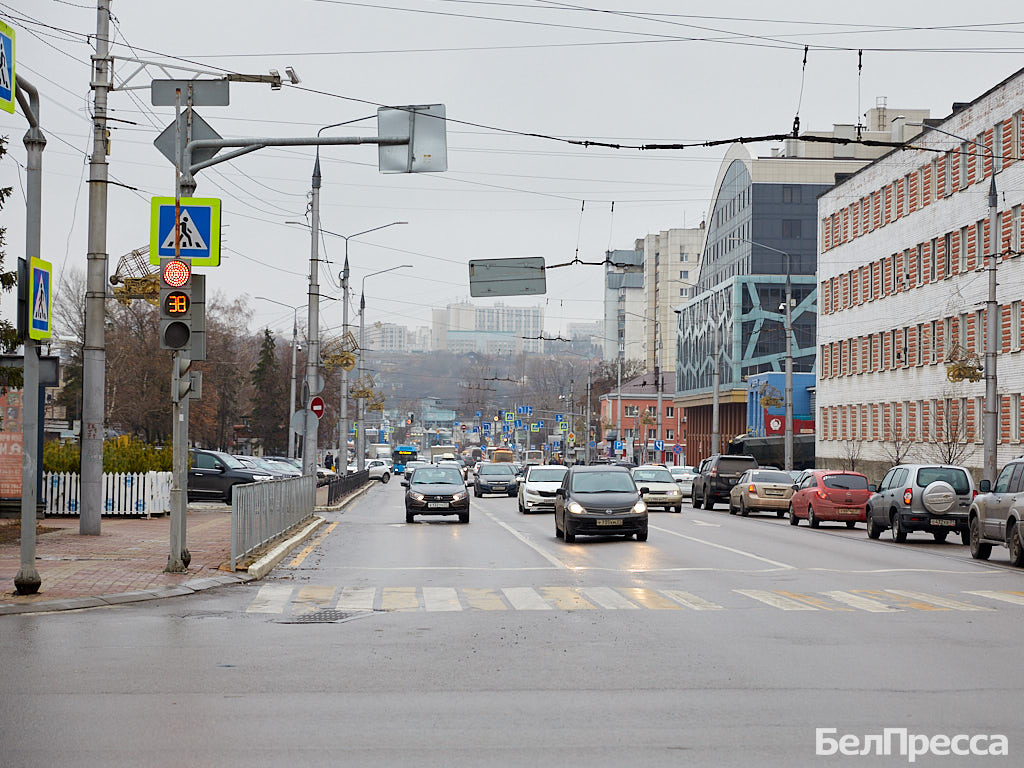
902 291
639 420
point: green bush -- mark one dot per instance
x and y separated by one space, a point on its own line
122 454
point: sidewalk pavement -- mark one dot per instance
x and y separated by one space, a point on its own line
124 563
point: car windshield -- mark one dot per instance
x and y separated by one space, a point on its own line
230 461
652 476
771 477
728 464
602 482
546 475
681 471
497 470
953 475
846 482
437 476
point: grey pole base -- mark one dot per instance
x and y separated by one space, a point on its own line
27 582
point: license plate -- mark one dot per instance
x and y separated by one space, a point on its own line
616 521
437 505
948 523
847 511
772 492
498 487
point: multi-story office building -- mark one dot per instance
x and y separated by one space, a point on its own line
498 329
671 262
903 286
387 337
762 229
624 304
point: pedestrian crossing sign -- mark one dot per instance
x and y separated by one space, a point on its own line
40 299
198 230
7 86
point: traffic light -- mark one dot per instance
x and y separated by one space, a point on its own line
175 303
411 419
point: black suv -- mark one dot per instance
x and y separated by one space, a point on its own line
716 476
213 474
996 515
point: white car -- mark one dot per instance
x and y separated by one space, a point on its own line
662 489
538 486
683 476
378 469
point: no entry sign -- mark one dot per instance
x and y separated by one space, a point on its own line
316 405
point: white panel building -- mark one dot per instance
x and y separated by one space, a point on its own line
902 291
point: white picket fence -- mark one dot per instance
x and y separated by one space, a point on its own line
127 494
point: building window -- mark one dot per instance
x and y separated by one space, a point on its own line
631 410
1015 231
947 183
933 257
670 434
652 434
979 331
1015 326
965 158
791 229
684 274
918 263
947 255
963 249
670 412
684 257
790 194
997 147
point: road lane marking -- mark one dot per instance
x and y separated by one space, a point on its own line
484 599
271 598
688 600
945 602
1017 598
356 599
892 597
861 603
399 599
776 600
650 599
441 599
776 563
297 560
525 599
546 555
706 524
566 598
312 599
811 600
607 597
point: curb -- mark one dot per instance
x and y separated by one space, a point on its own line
265 564
351 497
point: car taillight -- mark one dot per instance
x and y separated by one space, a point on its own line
713 472
974 493
752 489
821 494
908 496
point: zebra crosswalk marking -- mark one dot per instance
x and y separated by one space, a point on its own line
272 598
945 602
1017 598
566 598
441 599
484 599
693 602
811 600
890 598
606 597
650 599
312 599
356 599
861 603
399 599
525 599
775 600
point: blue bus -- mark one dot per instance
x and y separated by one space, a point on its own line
402 455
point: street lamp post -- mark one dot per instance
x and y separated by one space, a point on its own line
990 423
361 408
292 435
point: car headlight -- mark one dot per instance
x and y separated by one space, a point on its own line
417 496
459 496
639 508
676 492
576 508
261 478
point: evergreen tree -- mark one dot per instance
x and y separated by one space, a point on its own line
269 411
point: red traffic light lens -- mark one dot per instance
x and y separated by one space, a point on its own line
176 273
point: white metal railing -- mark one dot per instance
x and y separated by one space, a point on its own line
128 494
260 512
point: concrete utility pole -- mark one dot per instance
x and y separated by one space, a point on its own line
312 385
94 355
788 443
27 581
618 418
657 383
587 452
716 378
344 427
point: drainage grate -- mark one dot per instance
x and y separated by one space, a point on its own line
328 616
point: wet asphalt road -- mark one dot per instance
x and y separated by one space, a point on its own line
721 641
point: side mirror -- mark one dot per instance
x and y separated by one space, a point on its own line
795 487
644 491
405 483
872 487
985 487
560 493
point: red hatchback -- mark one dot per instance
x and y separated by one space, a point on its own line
825 494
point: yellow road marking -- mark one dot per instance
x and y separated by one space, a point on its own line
312 599
484 599
776 600
1007 596
565 598
297 560
688 600
650 599
815 602
889 598
399 599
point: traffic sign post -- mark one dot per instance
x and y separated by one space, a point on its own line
198 230
7 84
40 299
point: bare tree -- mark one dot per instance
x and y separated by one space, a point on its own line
897 445
850 453
951 444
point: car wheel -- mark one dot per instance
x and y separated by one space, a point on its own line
812 519
384 478
558 531
709 502
979 549
463 517
227 494
641 535
732 509
410 517
940 535
567 533
1013 544
694 500
899 533
743 508
851 523
793 519
678 508
873 530
780 514
965 537
476 492
522 509
511 494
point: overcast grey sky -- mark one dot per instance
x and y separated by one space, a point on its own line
629 72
